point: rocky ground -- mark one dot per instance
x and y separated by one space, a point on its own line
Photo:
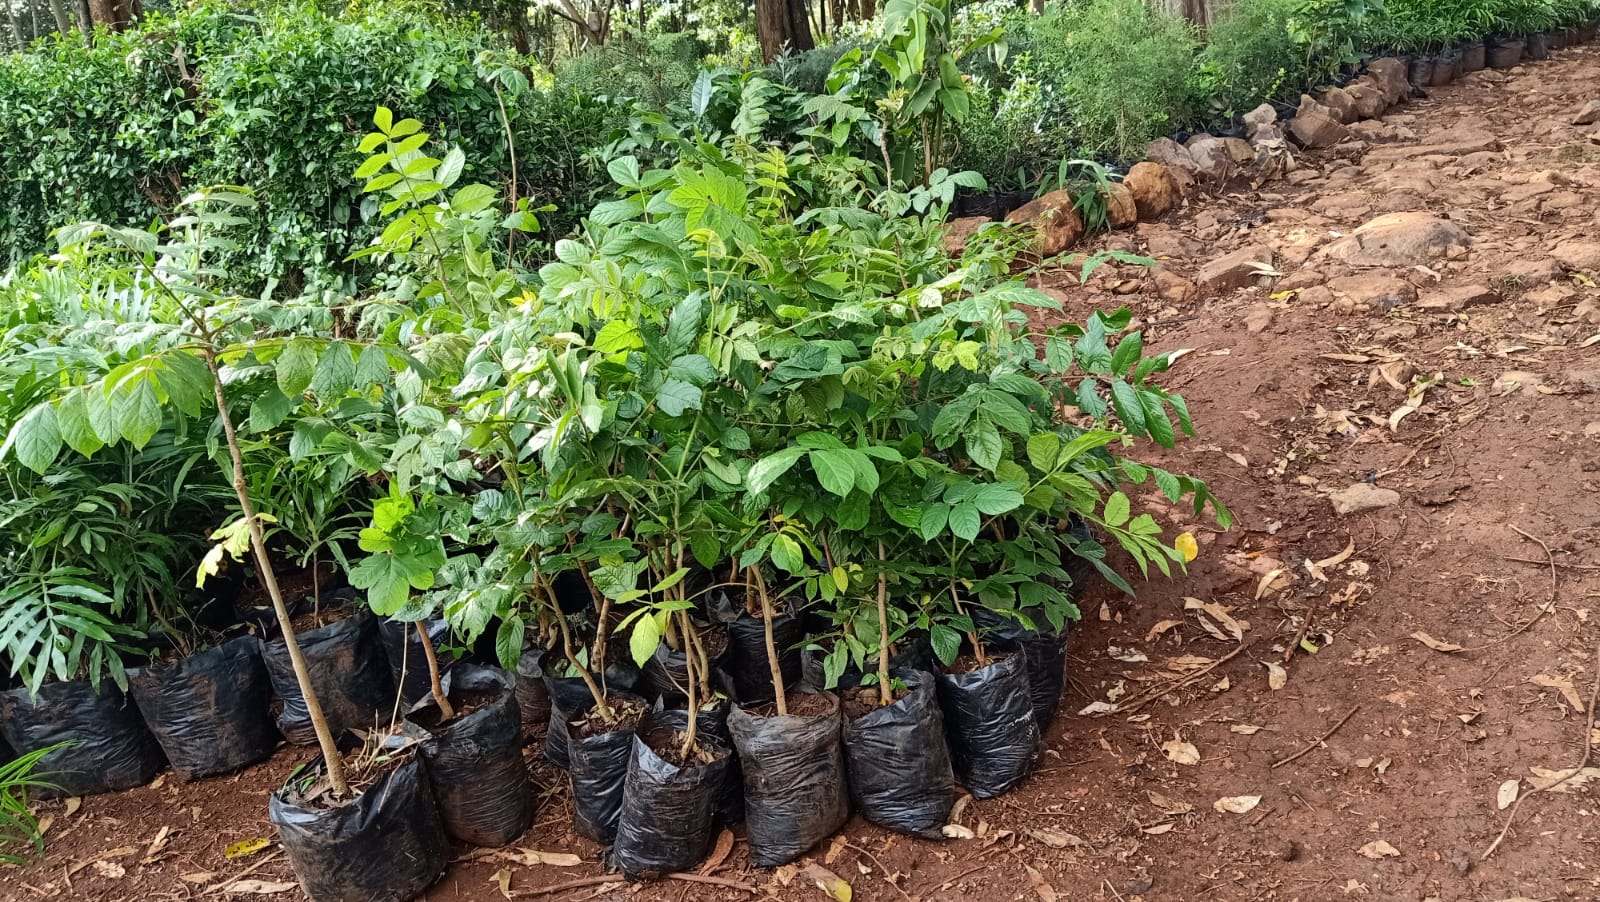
1394 360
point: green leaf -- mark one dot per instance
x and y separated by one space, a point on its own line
644 641
1089 400
984 445
787 554
72 420
508 642
695 369
764 472
1126 401
934 518
1117 509
946 642
964 521
36 439
835 471
676 396
336 371
684 324
372 368
993 500
269 409
1127 352
296 366
1155 419
140 413
1042 450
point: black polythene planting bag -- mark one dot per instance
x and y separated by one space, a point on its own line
570 698
111 751
408 661
668 812
794 781
988 714
533 697
474 762
349 674
210 711
385 845
714 722
1046 654
898 763
748 671
598 765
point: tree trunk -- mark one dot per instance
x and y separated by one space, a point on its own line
869 8
85 19
11 37
114 15
58 9
780 25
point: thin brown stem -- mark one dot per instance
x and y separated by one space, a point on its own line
767 616
972 634
258 543
885 696
600 705
689 668
445 711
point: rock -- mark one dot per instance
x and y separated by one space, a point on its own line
1240 269
1257 319
1521 381
1366 99
1056 225
1584 377
1400 239
1181 167
1315 126
1589 114
1459 141
1374 293
1389 74
1317 296
1304 278
1525 271
1259 118
1213 161
958 232
1583 256
1154 194
1587 311
1338 102
1175 289
1458 298
1239 150
1121 211
1362 497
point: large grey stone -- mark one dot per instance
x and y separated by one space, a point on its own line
1399 239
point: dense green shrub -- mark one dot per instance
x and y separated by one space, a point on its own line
1120 69
654 73
1250 57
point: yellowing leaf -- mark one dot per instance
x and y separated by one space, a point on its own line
828 882
1180 752
1236 804
1277 677
1507 794
1435 644
1186 546
245 848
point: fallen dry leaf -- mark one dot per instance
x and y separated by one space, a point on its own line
1179 752
1318 569
1159 628
1055 839
719 853
1238 459
1098 708
1233 628
502 881
1245 729
1563 685
1379 849
159 843
246 847
1236 804
1435 644
73 804
198 877
956 831
258 887
1507 794
1126 655
1168 805
828 882
1277 677
1158 829
110 869
1041 887
1564 780
533 858
1267 582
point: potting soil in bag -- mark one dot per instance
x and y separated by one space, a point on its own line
988 714
898 763
533 697
749 673
385 845
794 781
714 722
210 711
348 671
668 811
599 768
408 661
474 761
112 749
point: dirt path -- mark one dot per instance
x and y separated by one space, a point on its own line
1294 388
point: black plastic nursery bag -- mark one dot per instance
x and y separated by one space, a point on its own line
794 781
211 710
348 671
994 738
898 763
668 812
112 749
474 762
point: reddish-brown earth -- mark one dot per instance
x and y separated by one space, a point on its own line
1289 390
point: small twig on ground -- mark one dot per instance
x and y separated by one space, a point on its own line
1318 741
1305 625
1588 751
1529 560
1551 558
1186 680
579 883
1113 889
244 873
713 881
888 875
1555 584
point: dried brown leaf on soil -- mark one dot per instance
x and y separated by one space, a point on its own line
1379 849
1180 752
1230 628
1564 780
1244 729
719 852
1167 805
1041 886
1268 582
1277 677
532 858
956 831
1562 685
1157 829
1236 804
1318 569
198 877
73 804
502 881
259 887
827 881
1507 794
1435 644
1055 839
1159 628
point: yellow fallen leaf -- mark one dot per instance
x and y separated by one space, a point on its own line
502 881
1379 849
828 882
1435 644
1236 804
534 858
246 847
1244 729
1180 752
1186 546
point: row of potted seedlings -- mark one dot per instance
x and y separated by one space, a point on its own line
1494 51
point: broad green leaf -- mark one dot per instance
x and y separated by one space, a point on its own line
296 366
684 324
1127 352
984 445
1126 401
336 371
139 413
1117 509
946 642
269 409
508 642
993 500
1155 419
835 471
72 420
36 438
964 521
764 472
645 639
676 396
1042 450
